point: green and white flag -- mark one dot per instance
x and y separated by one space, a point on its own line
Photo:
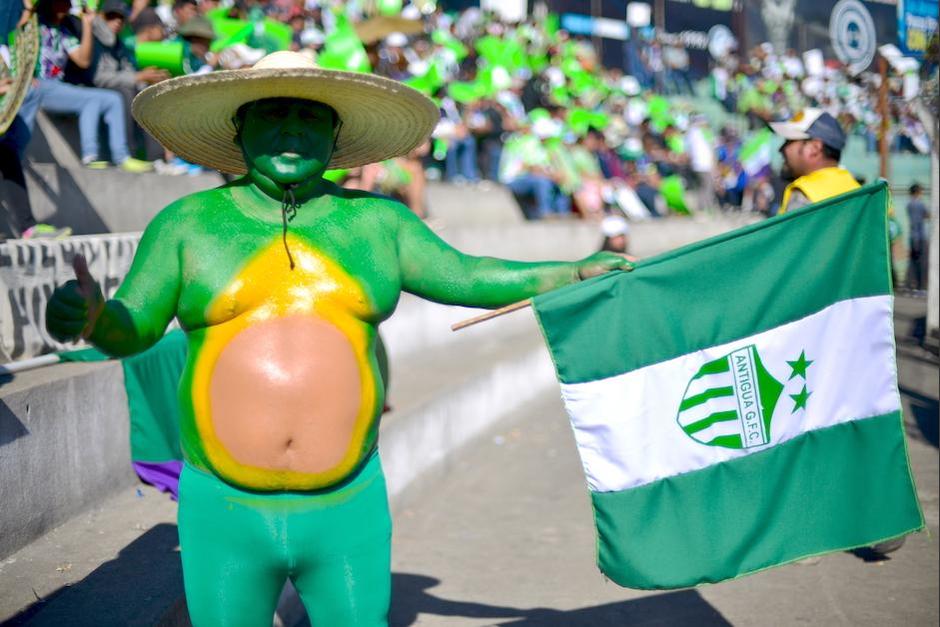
758 151
735 402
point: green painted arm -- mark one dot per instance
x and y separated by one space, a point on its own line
138 315
434 270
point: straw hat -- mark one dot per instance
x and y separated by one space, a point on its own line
193 115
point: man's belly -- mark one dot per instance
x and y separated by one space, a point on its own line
285 395
286 403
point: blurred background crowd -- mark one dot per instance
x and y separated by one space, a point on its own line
524 104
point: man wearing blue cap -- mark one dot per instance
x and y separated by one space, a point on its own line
811 153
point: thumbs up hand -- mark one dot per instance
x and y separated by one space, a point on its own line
74 307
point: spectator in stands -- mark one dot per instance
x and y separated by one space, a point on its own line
616 234
58 46
583 179
487 122
676 63
460 164
732 179
610 163
643 178
525 168
148 27
14 197
297 26
918 217
414 191
559 73
181 12
113 68
701 152
198 35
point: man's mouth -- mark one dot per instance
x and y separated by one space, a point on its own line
290 154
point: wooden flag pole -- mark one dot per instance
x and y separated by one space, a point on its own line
883 112
522 304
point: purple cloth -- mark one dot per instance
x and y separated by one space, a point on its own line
165 476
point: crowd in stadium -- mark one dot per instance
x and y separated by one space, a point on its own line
522 104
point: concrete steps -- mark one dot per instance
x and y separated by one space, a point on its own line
64 193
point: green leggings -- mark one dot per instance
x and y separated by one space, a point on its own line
239 547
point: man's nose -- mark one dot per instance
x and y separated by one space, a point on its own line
293 124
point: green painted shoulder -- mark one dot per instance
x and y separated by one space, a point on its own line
198 208
379 207
358 195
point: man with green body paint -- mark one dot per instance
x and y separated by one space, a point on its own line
280 280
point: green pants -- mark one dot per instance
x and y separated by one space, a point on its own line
239 547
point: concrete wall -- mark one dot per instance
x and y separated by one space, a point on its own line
31 269
64 445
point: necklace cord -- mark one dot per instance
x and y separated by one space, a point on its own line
288 213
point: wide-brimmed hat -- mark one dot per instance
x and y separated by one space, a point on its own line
193 116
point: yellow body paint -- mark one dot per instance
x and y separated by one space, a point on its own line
267 290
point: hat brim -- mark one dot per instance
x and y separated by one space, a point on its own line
193 115
789 130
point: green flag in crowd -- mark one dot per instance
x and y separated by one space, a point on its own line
757 151
343 50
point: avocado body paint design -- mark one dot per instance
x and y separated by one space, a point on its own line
286 363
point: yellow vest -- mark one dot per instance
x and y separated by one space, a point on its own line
820 185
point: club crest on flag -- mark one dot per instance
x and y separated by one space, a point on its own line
730 401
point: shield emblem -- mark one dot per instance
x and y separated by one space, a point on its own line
730 401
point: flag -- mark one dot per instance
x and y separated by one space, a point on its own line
343 50
735 401
757 152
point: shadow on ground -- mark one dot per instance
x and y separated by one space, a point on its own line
11 428
410 597
135 588
925 411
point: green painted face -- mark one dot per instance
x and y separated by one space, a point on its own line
287 140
